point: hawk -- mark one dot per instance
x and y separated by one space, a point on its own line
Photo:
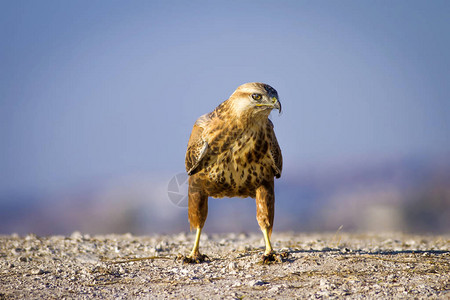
233 152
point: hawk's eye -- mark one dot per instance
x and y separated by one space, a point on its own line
257 96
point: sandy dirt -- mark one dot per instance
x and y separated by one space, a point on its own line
336 265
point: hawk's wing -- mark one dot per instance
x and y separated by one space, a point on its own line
197 146
275 151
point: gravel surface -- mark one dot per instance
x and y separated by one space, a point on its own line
317 266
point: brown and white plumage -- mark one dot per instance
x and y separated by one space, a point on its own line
233 152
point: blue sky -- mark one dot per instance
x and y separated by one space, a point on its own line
96 89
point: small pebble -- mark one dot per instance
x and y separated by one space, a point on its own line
256 283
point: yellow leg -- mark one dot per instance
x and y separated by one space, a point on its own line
195 251
267 241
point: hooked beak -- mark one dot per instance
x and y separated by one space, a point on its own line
276 104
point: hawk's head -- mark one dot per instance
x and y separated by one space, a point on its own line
255 98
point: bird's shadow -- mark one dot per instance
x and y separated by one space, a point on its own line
346 252
288 255
359 251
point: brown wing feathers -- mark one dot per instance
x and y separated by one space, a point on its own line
196 150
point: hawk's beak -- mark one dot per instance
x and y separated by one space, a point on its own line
276 103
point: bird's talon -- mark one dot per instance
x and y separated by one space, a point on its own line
195 259
272 258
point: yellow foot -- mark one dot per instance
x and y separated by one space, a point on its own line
273 257
194 259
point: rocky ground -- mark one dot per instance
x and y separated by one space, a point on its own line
317 266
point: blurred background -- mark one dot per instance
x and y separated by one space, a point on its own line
98 98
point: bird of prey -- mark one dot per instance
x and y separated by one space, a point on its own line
233 152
